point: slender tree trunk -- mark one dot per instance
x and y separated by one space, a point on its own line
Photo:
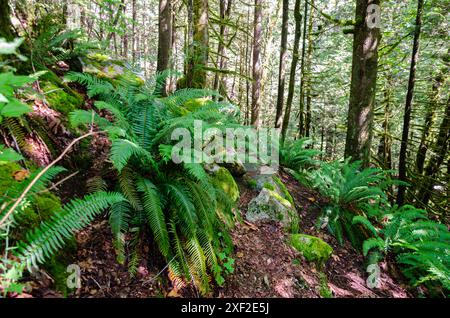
225 11
384 148
302 77
295 57
282 66
133 31
257 66
308 73
125 33
198 54
430 118
408 105
248 52
362 89
440 153
114 23
164 35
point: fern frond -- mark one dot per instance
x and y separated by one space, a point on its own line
51 235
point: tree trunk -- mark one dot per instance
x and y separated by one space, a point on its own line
408 105
308 72
5 21
164 35
384 148
298 25
225 11
363 83
440 153
430 118
133 31
282 66
257 67
198 54
302 78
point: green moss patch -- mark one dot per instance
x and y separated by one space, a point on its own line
312 248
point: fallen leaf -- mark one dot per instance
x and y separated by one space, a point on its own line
21 175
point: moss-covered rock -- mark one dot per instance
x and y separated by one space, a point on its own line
270 205
60 100
312 248
222 178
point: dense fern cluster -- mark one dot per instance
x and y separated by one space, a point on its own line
357 207
422 246
347 186
184 210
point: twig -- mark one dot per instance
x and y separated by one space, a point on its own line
160 272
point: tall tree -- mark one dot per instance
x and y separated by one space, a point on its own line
198 52
225 11
408 105
164 34
256 62
302 77
282 66
308 72
363 81
295 57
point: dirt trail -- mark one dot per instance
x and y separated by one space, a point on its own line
268 267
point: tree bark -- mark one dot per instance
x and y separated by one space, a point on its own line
282 66
363 83
302 77
308 71
225 11
440 153
257 66
164 35
295 58
408 105
5 21
198 54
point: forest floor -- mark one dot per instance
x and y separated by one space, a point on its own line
265 265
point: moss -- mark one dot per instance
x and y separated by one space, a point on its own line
251 184
313 248
39 209
269 186
283 189
196 103
324 289
56 267
223 179
6 175
60 100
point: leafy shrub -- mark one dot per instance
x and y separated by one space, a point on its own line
180 204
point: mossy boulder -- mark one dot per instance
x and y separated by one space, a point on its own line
270 205
105 67
312 248
222 178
